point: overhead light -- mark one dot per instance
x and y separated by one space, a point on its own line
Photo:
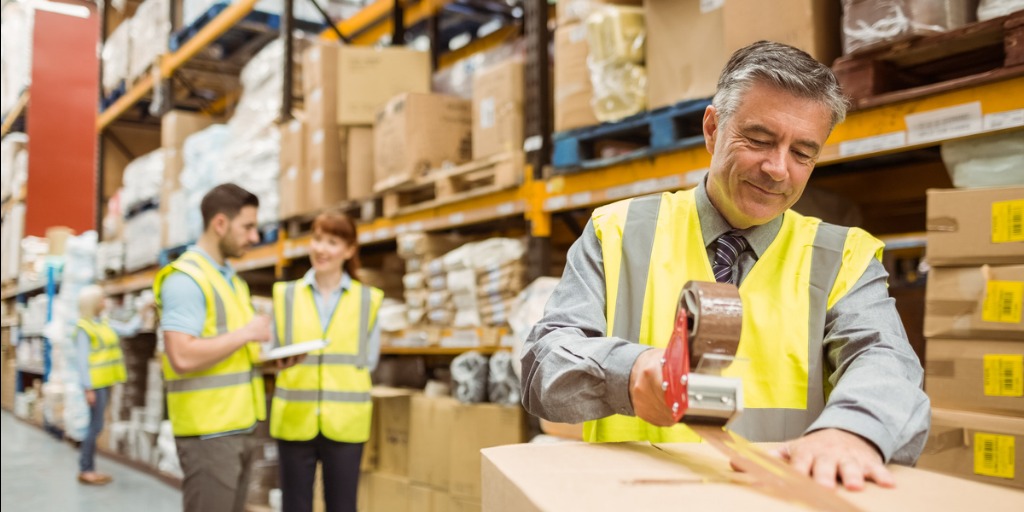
78 11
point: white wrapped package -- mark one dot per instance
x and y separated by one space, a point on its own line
616 36
993 161
438 282
866 22
203 156
988 9
466 319
11 232
438 299
142 240
413 281
150 30
16 55
529 309
175 224
416 298
392 316
464 300
115 55
461 281
13 156
143 178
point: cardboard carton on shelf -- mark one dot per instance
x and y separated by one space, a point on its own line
685 50
498 109
975 302
983 226
573 90
976 375
976 446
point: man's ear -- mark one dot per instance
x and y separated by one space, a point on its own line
710 128
220 224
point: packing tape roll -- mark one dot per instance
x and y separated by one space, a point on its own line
716 319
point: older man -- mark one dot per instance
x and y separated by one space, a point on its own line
830 369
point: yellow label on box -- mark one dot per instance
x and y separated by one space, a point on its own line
1008 221
1004 374
993 455
1003 302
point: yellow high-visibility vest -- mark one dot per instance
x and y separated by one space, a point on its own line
329 392
653 245
230 395
106 361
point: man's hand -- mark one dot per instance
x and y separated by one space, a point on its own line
90 397
258 329
288 362
831 453
645 389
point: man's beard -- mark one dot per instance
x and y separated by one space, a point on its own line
229 250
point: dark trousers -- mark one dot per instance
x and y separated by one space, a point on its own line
87 458
340 463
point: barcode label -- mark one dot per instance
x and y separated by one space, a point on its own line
1008 221
1003 375
1003 302
993 455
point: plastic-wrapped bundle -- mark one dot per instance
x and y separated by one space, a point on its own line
988 9
115 56
502 381
993 161
616 37
79 271
143 178
167 451
142 240
14 160
203 156
150 30
866 22
11 232
16 56
469 373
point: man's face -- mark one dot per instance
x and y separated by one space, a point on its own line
763 155
238 235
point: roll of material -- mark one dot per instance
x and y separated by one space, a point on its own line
715 314
502 382
469 374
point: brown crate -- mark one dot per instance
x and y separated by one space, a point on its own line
573 91
975 302
685 51
975 375
959 441
369 77
498 109
976 226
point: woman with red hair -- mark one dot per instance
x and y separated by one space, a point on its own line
321 408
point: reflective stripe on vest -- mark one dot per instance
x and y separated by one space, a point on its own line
230 395
653 245
106 361
328 393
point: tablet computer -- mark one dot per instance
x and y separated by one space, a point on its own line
294 349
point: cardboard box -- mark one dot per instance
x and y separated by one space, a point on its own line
325 152
685 51
392 407
360 162
478 426
573 91
975 302
462 504
810 25
498 109
389 493
9 378
575 11
425 499
976 375
430 439
415 133
615 477
293 179
57 237
369 77
364 493
980 447
976 226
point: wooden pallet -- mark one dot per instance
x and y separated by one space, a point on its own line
921 65
641 136
445 186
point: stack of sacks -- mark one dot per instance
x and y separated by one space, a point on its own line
528 310
252 155
33 260
16 58
11 233
150 30
142 180
109 259
481 280
115 56
204 152
419 250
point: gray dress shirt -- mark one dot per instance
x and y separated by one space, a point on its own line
573 371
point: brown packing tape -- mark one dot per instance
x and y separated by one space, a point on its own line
952 307
717 319
943 439
943 224
941 368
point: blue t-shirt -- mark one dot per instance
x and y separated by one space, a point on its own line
183 304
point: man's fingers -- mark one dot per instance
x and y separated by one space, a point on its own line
801 462
852 474
824 472
881 475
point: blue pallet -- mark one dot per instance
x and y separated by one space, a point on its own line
264 20
113 96
658 131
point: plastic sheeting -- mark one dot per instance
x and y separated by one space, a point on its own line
993 161
866 22
988 9
502 381
616 36
149 30
115 56
142 180
469 374
16 53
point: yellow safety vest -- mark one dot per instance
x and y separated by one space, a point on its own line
230 395
653 245
329 392
106 362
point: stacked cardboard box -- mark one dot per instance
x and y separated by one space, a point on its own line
498 109
974 363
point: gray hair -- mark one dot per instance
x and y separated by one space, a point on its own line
782 66
89 299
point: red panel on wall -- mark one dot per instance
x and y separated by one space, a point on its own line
62 122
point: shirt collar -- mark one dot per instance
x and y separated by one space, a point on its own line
714 225
226 269
310 279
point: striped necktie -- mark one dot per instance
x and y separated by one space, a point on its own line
727 249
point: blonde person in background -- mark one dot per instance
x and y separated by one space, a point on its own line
212 336
321 408
100 366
